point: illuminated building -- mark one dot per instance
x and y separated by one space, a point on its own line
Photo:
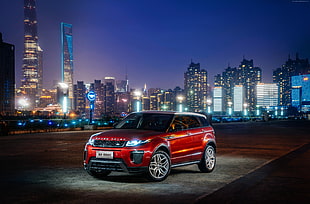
145 102
122 103
7 78
267 94
301 92
99 90
79 98
195 86
246 75
282 76
122 97
218 100
153 102
249 76
229 80
109 96
238 98
67 60
48 97
121 85
31 83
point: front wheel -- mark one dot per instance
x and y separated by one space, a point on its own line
208 160
159 167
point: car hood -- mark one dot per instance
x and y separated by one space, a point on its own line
125 134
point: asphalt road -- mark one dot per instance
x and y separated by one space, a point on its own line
256 162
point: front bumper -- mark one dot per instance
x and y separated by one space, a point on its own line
95 164
130 160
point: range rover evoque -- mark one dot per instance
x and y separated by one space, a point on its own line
152 142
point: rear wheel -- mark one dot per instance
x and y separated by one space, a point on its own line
159 167
208 160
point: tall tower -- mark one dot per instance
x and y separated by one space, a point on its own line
195 86
31 83
67 60
249 76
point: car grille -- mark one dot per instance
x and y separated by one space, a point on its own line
106 166
108 143
111 165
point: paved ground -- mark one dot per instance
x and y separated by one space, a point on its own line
284 180
257 162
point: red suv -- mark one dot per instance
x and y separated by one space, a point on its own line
152 142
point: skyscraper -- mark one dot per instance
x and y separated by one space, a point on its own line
7 78
98 88
79 98
67 60
31 83
282 76
109 96
249 77
195 86
246 75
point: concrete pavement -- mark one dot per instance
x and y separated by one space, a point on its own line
284 180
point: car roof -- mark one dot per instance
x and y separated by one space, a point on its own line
172 113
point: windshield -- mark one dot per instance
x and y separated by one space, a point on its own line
146 121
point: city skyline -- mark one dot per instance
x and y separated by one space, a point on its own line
157 40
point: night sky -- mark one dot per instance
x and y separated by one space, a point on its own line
155 40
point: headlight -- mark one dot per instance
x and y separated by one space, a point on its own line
134 143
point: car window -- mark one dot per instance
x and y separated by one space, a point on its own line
183 123
130 122
178 124
203 121
192 122
158 122
146 121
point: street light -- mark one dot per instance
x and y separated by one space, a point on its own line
64 87
257 110
209 105
23 102
180 100
229 108
245 105
138 94
282 111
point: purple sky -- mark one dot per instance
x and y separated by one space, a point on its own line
155 40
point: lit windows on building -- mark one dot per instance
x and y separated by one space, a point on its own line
267 94
218 99
31 83
195 85
282 76
67 59
238 99
301 92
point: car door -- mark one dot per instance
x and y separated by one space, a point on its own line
197 133
180 139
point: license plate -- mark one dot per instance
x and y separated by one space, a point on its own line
104 154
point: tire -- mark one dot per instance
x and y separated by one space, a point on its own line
208 160
99 174
159 167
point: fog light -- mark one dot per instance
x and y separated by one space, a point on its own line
137 156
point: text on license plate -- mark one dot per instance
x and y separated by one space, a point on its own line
104 154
